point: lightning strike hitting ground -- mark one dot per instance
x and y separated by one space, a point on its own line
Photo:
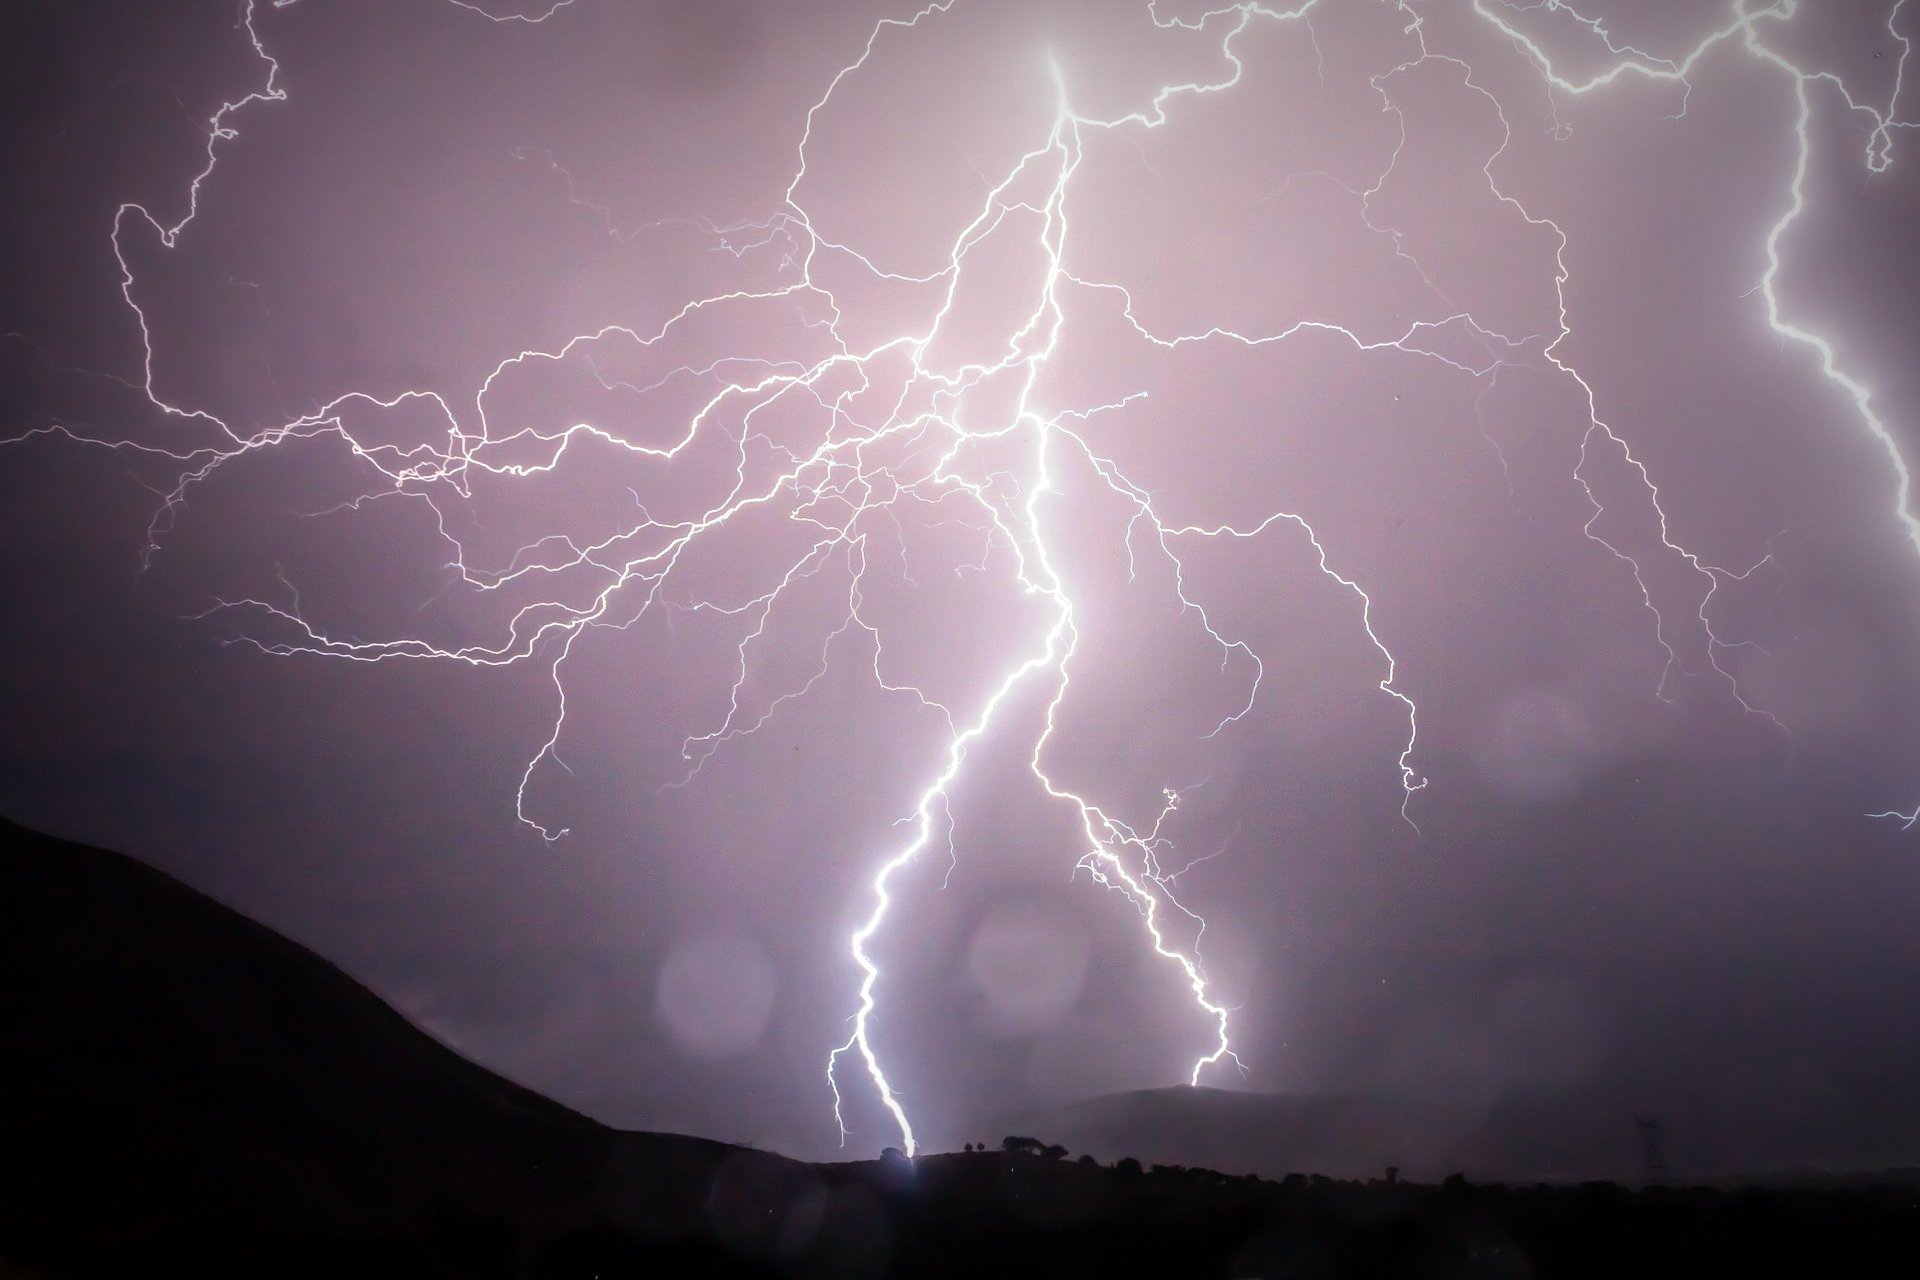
928 452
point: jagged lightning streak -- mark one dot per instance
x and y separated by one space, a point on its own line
862 471
1107 838
1039 574
1743 25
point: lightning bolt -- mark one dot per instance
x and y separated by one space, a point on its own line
1743 30
927 453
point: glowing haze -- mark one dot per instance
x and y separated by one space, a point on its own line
872 460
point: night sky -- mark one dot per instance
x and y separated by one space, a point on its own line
282 593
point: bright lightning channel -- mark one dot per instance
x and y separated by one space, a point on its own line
862 473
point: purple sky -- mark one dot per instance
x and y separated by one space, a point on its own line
932 434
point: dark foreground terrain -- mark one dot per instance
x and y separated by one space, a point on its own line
185 1092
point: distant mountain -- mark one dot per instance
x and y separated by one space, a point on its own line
1560 1134
1547 1135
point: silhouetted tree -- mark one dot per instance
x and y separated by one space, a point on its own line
1129 1167
1054 1152
1013 1144
1087 1160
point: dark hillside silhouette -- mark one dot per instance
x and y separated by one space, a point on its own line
185 1092
171 1069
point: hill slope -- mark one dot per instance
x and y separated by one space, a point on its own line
185 1092
171 1070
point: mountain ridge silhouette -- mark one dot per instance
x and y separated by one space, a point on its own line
183 1091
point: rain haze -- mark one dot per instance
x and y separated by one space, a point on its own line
1308 549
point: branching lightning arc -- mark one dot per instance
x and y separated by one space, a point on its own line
923 451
